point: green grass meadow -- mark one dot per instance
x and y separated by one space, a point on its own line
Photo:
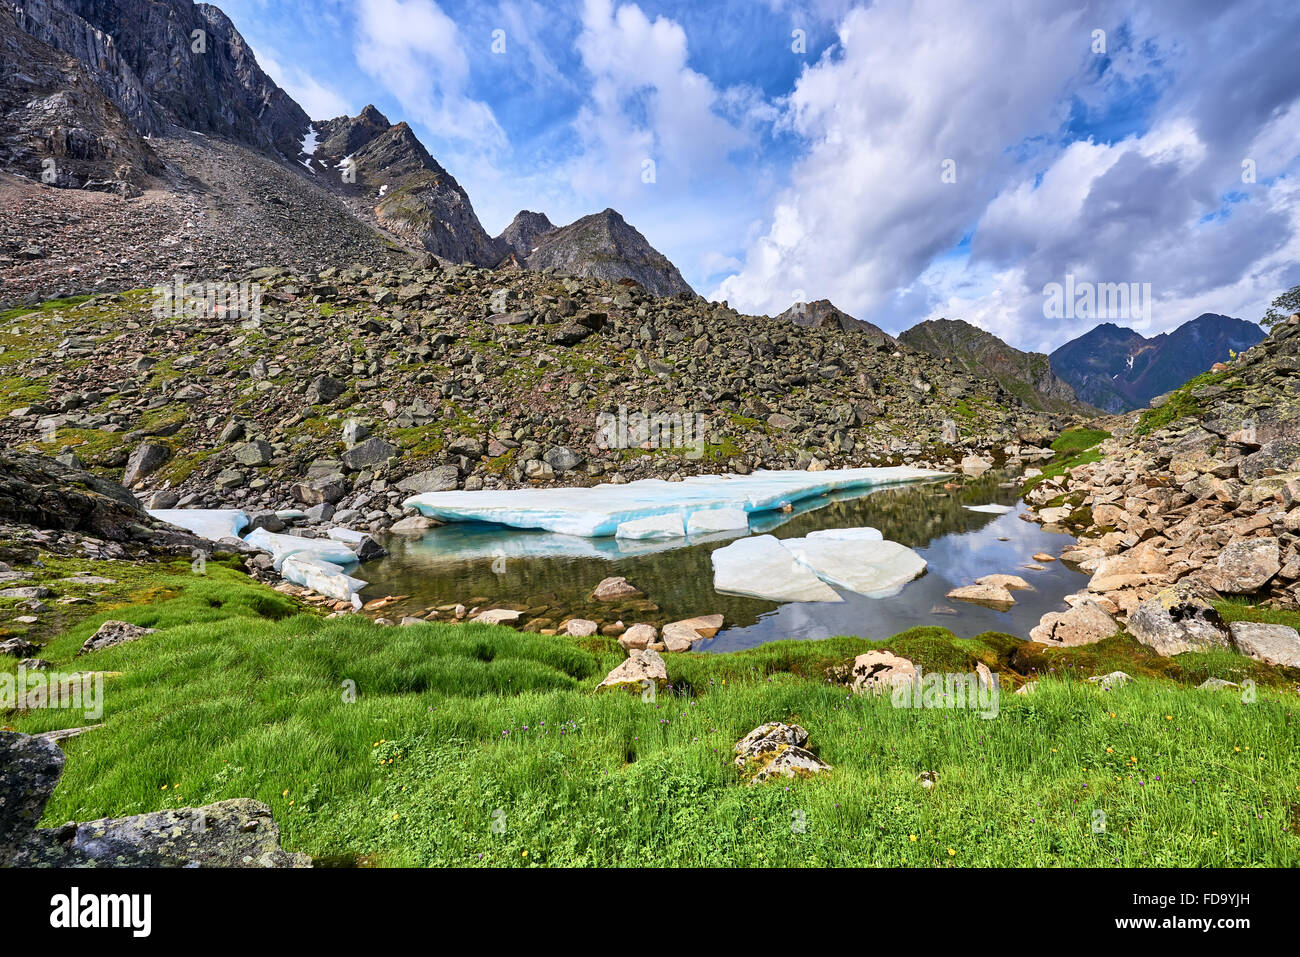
468 745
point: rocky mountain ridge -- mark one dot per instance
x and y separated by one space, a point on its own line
823 314
1026 374
1117 369
356 387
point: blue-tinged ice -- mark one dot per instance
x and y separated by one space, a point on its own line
324 578
867 566
598 511
761 567
211 523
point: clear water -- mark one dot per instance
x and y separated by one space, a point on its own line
551 576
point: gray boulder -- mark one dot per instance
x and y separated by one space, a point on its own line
1178 619
445 478
1246 566
147 458
1271 644
368 454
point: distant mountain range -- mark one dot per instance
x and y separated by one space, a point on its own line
1117 369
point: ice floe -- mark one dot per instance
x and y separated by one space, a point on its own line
654 527
324 578
990 508
600 510
869 566
710 520
803 569
762 568
210 523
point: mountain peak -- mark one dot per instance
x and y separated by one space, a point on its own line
976 351
822 314
604 246
1117 369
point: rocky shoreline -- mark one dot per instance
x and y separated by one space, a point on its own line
1196 498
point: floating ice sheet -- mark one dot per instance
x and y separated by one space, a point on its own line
868 566
803 569
762 568
990 508
709 520
210 523
654 527
598 511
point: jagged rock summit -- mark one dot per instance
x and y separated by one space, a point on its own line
604 246
823 314
1117 369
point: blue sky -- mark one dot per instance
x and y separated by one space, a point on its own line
907 160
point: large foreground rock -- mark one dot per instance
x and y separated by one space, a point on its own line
29 769
235 833
1178 619
38 491
777 750
642 669
1271 644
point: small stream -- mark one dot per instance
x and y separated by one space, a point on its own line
551 576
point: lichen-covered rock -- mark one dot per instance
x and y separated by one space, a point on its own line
1178 619
638 673
29 769
1084 624
1244 567
237 833
776 750
877 671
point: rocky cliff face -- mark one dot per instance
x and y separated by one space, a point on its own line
604 246
171 62
1027 375
406 189
57 125
822 314
1117 369
523 233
